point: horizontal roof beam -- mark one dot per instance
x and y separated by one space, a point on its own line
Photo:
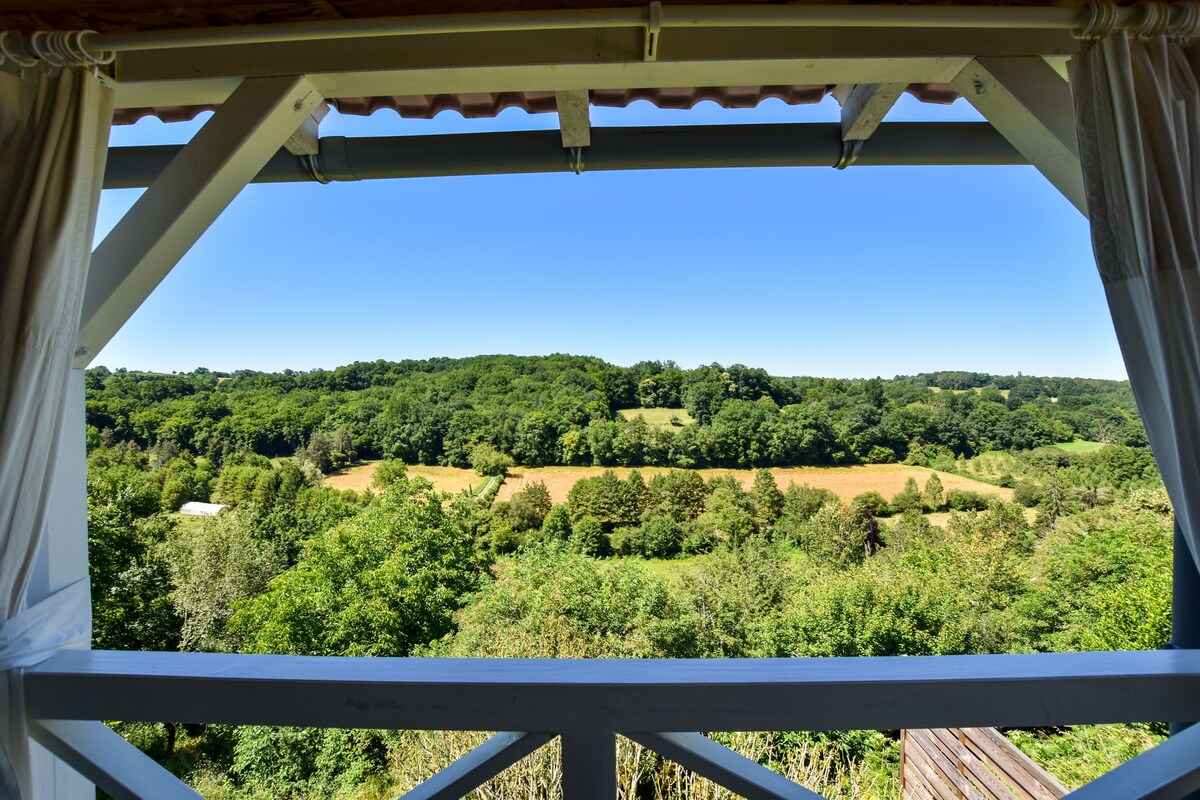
672 147
563 59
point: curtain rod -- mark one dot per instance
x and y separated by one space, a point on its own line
87 48
1092 21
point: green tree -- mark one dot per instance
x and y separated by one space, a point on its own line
907 498
661 537
319 451
388 471
382 583
729 511
487 460
528 507
588 538
934 496
679 493
213 567
550 603
536 440
767 499
556 527
833 536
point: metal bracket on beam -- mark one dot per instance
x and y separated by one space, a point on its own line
653 30
304 141
850 150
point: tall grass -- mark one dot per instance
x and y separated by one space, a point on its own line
641 773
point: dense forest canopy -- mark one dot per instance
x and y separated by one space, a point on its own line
563 409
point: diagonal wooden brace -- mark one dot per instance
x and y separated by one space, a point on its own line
185 199
486 761
1030 104
100 754
721 765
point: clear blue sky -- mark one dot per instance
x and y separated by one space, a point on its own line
803 271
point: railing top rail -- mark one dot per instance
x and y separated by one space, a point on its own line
619 695
892 670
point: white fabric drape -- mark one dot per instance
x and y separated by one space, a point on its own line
53 140
1137 107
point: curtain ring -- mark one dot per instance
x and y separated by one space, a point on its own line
1102 18
1156 14
12 48
1187 22
66 49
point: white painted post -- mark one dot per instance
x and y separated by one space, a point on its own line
589 766
63 560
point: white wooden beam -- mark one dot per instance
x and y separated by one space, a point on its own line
723 766
589 766
185 199
485 761
304 141
531 52
573 118
864 106
1168 771
112 763
634 695
1029 102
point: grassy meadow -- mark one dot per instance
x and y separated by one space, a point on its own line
845 482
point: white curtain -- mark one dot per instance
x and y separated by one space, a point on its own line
1137 107
53 137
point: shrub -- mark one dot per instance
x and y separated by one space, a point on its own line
1028 493
487 460
387 472
661 537
587 537
833 537
802 501
873 611
698 537
871 502
557 524
965 500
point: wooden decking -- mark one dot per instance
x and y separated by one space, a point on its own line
970 764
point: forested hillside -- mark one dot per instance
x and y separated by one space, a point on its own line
998 541
563 410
